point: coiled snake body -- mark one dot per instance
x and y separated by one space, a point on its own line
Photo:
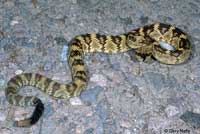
165 43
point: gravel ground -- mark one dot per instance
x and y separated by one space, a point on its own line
123 96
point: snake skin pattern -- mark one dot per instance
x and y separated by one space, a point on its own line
165 43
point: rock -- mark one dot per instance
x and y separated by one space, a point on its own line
49 111
64 53
61 41
2 116
155 79
88 3
196 32
29 44
24 42
49 127
154 0
171 82
127 131
74 1
4 43
43 40
89 131
101 110
156 123
14 22
116 66
100 128
20 31
9 4
194 6
159 81
5 131
126 21
20 114
80 129
18 72
2 81
191 118
171 111
144 19
125 124
90 95
99 79
72 127
135 131
75 101
110 126
48 65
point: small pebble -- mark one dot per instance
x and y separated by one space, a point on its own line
127 131
171 111
75 101
89 131
19 28
125 124
61 41
18 72
135 130
116 66
48 65
87 3
14 22
79 129
9 3
89 114
154 0
144 19
99 79
74 1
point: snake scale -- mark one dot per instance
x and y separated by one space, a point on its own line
162 42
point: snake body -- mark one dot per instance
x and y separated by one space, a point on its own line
145 41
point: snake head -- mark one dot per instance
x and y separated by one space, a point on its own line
171 46
172 53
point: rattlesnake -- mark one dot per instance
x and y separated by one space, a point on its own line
163 42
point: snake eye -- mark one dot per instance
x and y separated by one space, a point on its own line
167 46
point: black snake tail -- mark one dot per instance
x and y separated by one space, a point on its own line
39 109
